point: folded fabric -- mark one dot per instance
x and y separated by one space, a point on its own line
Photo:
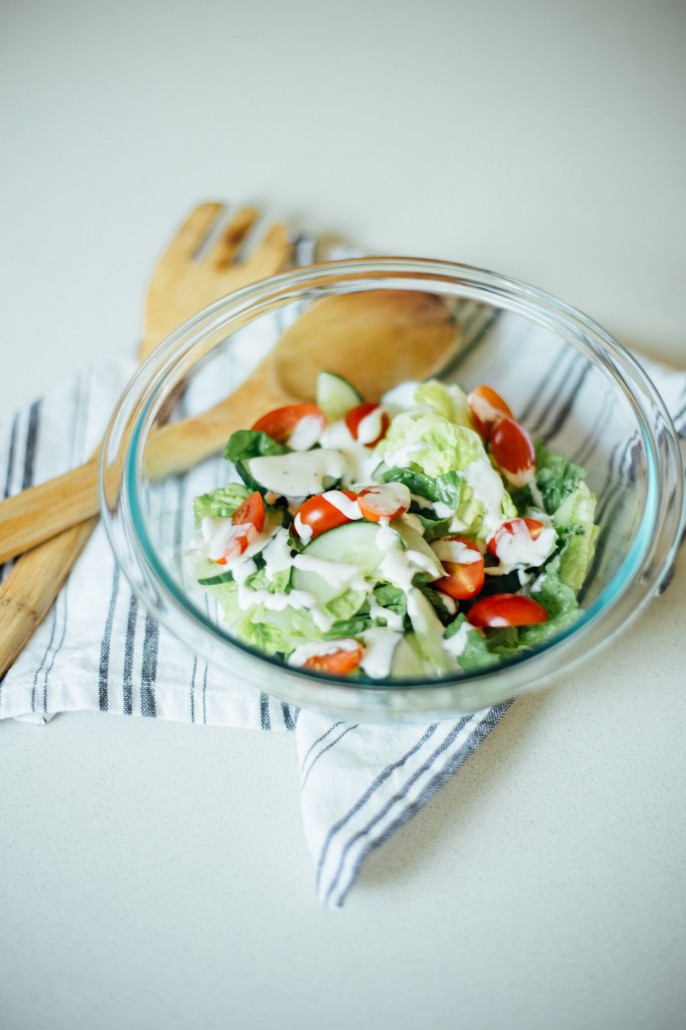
98 650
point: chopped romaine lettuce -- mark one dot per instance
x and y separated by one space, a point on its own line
432 448
219 503
247 443
430 442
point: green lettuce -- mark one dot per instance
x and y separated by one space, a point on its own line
219 503
556 477
280 584
574 522
247 443
391 597
436 444
448 488
447 401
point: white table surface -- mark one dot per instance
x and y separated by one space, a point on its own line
145 880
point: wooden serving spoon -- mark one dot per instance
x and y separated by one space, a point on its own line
374 338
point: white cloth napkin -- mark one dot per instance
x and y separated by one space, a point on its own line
98 650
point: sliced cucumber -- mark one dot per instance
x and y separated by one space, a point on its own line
414 541
429 630
219 577
336 396
351 544
298 474
407 660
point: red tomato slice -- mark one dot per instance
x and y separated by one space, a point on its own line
358 414
487 408
464 579
281 423
513 451
238 543
506 610
336 663
320 515
386 501
533 527
251 510
249 516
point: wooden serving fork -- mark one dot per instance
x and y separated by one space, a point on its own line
184 282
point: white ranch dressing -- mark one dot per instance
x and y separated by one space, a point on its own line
519 549
377 611
519 479
320 648
483 410
277 554
338 500
488 488
338 573
370 427
248 598
298 474
443 510
455 551
218 535
401 396
360 461
400 567
457 643
304 531
244 570
379 649
306 433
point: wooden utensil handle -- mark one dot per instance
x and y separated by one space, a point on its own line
41 512
36 581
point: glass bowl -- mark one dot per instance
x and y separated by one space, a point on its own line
565 378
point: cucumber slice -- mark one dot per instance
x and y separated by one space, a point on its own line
297 474
336 396
429 630
213 581
407 660
414 541
351 544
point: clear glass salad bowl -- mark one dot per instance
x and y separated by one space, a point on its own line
567 381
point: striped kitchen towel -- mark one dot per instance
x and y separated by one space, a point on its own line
98 650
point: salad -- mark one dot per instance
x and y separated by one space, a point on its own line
421 536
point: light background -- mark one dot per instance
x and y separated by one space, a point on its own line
148 880
544 140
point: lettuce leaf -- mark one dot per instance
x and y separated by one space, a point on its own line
556 477
574 522
447 401
280 584
391 597
433 444
219 503
448 488
247 443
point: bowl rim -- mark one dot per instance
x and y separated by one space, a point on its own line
522 298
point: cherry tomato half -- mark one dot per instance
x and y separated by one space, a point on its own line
357 415
513 451
386 501
319 515
282 423
249 520
532 527
487 408
336 663
464 579
251 510
506 610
